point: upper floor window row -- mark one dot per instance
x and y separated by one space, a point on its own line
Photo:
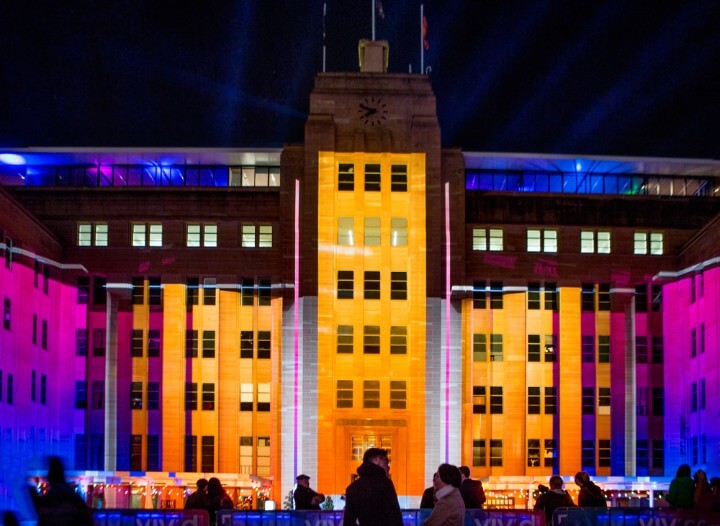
154 176
196 235
373 177
547 240
585 183
373 231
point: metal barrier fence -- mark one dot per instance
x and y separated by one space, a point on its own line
151 518
633 517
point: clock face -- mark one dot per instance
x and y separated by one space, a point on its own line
372 111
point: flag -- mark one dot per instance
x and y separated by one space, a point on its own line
426 42
379 9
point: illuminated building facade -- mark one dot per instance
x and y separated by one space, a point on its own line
256 314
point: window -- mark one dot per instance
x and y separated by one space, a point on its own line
138 291
542 240
496 295
44 334
702 338
642 401
603 349
372 177
135 452
642 454
154 291
191 396
81 342
496 347
479 453
345 339
154 343
587 347
496 453
153 453
533 296
191 453
702 393
192 292
587 297
604 297
398 231
137 338
533 347
209 291
533 401
263 399
264 290
658 401
207 458
488 239
147 235
265 236
693 342
264 345
346 235
641 303
551 400
533 452
92 234
588 242
136 395
551 297
398 394
80 394
371 394
345 284
479 295
588 400
8 253
372 231
98 395
641 349
344 394
656 298
371 339
208 347
346 177
496 400
83 290
208 397
9 396
652 243
479 348
153 395
551 348
201 235
263 456
604 400
398 339
658 455
248 236
98 342
398 285
246 454
398 178
43 389
479 400
372 285
604 453
247 397
6 314
550 452
657 349
191 343
247 292
588 455
693 396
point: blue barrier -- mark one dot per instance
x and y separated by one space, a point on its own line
134 517
633 517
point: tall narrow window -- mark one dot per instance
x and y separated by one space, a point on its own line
587 348
345 339
136 395
344 394
137 338
346 177
209 291
7 313
98 395
479 295
192 292
264 292
533 347
191 453
398 178
533 296
138 234
208 397
265 236
135 452
640 243
248 236
138 291
398 232
98 342
641 349
496 295
533 452
588 454
587 297
372 285
603 349
346 226
247 292
398 285
263 345
207 459
551 400
247 397
191 343
398 394
398 339
479 453
263 401
551 297
479 400
153 395
153 453
154 343
81 342
83 290
496 400
496 452
345 284
604 297
656 243
372 177
604 453
371 394
496 347
479 347
588 400
372 231
247 344
371 339
533 403
208 344
154 291
80 394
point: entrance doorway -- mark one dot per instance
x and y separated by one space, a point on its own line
359 443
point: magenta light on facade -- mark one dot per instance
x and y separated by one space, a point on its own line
296 331
447 322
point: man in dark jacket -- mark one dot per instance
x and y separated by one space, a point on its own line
305 497
199 499
556 498
371 500
471 490
590 496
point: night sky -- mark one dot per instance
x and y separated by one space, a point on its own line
630 77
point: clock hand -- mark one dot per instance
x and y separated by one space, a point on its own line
368 110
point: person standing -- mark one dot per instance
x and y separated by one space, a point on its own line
471 490
702 496
371 500
556 497
449 509
427 502
219 499
305 498
61 505
682 489
590 496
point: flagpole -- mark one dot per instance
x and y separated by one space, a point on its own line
373 19
324 35
422 42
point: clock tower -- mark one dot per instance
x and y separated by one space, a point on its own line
371 286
